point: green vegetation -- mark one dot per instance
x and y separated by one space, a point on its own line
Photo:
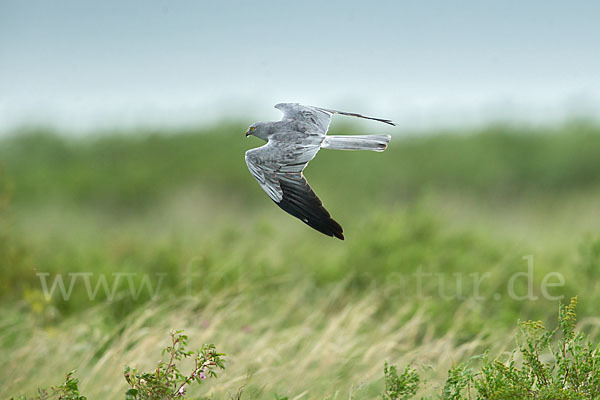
69 390
401 387
572 374
541 368
109 241
167 381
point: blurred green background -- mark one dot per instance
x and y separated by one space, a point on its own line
298 313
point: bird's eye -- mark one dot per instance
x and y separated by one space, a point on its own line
252 128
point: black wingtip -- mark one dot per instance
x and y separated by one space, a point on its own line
300 201
337 231
386 121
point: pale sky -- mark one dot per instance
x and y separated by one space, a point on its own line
80 65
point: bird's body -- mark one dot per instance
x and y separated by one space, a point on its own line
291 144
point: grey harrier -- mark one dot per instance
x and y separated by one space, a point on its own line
291 144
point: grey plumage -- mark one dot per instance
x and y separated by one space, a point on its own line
291 144
356 142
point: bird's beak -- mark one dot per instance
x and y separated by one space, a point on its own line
248 133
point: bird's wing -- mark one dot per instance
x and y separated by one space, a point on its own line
277 167
319 118
385 121
318 115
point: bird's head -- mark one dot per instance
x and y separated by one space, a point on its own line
257 129
251 130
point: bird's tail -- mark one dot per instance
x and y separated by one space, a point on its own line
356 142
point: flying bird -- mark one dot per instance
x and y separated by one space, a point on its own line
291 144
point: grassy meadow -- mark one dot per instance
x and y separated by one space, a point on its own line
157 230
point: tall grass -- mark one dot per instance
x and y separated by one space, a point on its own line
298 314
